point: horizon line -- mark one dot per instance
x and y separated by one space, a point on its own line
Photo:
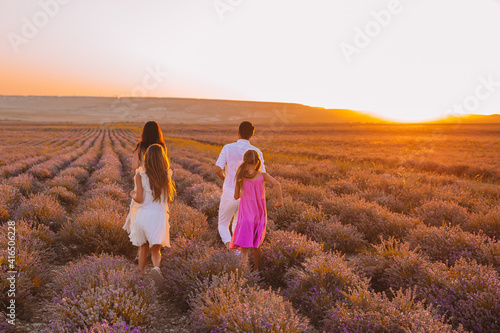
365 113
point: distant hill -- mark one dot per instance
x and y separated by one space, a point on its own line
471 118
172 110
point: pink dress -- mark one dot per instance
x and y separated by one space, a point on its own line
252 215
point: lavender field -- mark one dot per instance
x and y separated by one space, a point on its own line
385 228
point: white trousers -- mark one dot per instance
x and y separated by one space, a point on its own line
228 208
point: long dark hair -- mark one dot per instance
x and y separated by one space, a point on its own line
157 165
151 134
251 157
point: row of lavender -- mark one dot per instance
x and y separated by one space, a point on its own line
20 143
20 157
37 178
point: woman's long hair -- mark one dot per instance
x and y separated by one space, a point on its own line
151 133
251 157
157 165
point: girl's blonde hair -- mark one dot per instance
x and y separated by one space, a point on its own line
251 157
157 164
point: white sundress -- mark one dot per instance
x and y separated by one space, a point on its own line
148 221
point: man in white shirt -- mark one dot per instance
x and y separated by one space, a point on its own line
227 164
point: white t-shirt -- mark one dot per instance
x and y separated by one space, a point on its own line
230 159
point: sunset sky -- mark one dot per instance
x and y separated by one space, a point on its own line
418 61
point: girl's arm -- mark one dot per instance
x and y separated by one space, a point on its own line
138 194
135 159
237 191
277 188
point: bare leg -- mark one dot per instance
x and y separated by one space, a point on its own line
227 245
143 256
256 258
156 255
244 256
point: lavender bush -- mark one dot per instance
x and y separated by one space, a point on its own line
366 312
328 231
71 183
34 251
468 294
205 197
102 201
96 231
42 209
187 222
99 288
77 172
25 183
438 212
448 244
319 282
342 186
308 194
107 175
251 309
191 261
184 180
370 219
282 250
488 223
10 196
68 199
290 213
203 169
112 190
394 265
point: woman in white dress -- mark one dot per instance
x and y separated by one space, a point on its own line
149 226
151 134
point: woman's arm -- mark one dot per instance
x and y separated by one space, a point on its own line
138 194
277 188
237 191
135 160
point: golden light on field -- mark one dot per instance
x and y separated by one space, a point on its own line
409 117
400 60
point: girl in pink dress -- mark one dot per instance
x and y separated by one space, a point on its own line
252 215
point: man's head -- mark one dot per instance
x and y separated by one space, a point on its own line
246 130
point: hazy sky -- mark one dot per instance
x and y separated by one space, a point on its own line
405 60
